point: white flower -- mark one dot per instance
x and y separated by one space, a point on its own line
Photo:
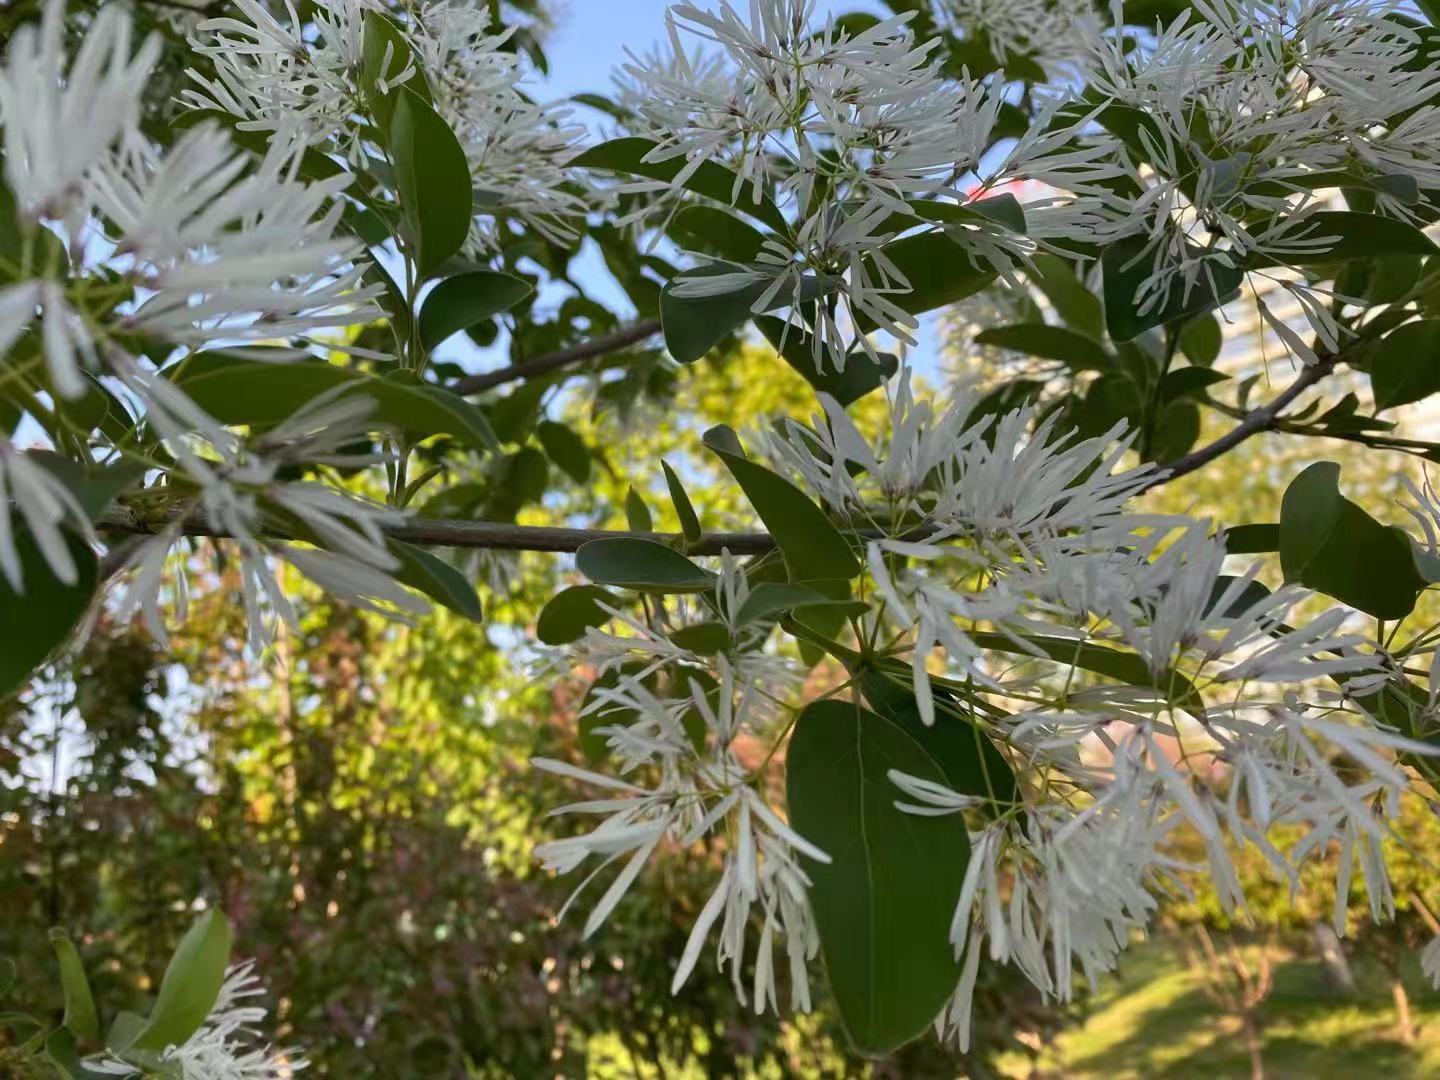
224 249
869 119
1430 961
65 339
60 121
693 797
43 504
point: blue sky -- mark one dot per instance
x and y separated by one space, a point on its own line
590 40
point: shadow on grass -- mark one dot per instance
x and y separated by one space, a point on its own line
1155 1023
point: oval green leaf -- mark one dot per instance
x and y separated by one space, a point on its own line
884 902
642 565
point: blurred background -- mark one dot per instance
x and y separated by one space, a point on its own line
361 806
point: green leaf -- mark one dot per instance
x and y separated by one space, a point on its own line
1126 266
238 391
884 902
971 763
35 623
1252 539
437 579
1072 301
693 325
1189 382
80 1016
565 448
813 547
1330 544
1201 339
861 374
464 300
191 984
95 487
642 565
433 180
637 514
684 509
711 179
938 269
572 611
1357 236
1102 660
382 39
715 232
704 639
770 598
1405 364
1075 350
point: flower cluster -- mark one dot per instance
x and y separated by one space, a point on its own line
225 1046
1139 692
273 77
1241 118
866 142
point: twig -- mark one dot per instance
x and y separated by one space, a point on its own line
548 362
493 535
1254 422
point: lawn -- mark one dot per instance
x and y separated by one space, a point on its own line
1153 1021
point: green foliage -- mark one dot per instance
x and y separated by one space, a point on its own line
884 901
191 985
643 565
468 298
33 624
433 179
1329 543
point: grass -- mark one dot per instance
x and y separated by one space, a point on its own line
1153 1022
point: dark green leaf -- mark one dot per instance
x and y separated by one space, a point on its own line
770 598
1252 539
694 325
433 179
1126 667
861 374
1127 264
711 179
565 448
571 612
464 300
1356 236
437 579
1330 544
1073 302
80 1016
643 565
385 53
704 639
1189 382
684 510
1200 340
191 984
884 902
1073 349
938 269
715 232
813 547
971 763
34 624
239 391
637 514
1405 365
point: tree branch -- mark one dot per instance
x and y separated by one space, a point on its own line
1254 422
548 362
493 535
